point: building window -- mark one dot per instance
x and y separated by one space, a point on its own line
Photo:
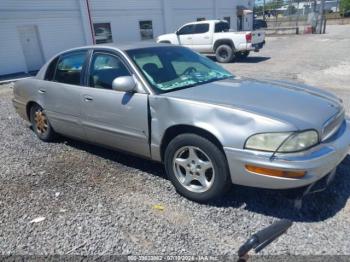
201 19
146 30
103 33
228 19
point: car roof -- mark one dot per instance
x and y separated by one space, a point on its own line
119 47
206 21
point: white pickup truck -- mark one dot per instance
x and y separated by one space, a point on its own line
213 36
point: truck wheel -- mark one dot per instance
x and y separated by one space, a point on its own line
243 54
224 54
41 124
197 168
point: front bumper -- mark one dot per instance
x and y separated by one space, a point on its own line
317 162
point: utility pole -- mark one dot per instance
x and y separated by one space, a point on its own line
297 21
264 10
321 17
337 7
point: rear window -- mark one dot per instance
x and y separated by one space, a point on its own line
50 71
222 27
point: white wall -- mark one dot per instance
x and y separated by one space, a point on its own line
64 24
124 17
59 28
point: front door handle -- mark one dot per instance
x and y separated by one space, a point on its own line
206 37
41 91
88 98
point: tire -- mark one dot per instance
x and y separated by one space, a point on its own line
41 125
187 174
224 54
242 55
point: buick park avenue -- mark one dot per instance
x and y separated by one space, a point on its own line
169 104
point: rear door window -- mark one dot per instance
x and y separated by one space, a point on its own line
201 28
69 68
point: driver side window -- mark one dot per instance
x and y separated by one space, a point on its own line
104 69
187 30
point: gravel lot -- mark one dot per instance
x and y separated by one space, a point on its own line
99 202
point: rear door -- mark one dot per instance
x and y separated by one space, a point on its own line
202 38
62 91
113 118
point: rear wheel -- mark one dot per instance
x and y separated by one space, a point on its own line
41 124
197 168
224 54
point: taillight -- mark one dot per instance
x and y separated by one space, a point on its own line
248 37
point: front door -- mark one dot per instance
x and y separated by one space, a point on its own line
31 48
185 35
113 118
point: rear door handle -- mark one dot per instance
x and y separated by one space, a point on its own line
42 91
88 98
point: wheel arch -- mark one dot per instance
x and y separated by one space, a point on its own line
220 42
173 131
29 105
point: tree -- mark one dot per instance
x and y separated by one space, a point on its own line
344 6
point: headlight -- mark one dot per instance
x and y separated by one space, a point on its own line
283 142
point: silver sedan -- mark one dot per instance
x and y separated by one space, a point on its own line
172 105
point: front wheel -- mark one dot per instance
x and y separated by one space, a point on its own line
197 168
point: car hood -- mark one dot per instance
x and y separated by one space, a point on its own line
302 106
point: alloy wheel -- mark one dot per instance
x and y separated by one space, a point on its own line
41 123
193 169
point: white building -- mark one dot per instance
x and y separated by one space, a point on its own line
32 31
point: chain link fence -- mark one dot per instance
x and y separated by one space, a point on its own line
295 16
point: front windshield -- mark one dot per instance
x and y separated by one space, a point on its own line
170 68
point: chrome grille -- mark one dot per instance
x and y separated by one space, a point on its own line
332 125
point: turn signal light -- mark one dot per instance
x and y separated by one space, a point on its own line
275 172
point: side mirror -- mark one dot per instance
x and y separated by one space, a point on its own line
124 84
